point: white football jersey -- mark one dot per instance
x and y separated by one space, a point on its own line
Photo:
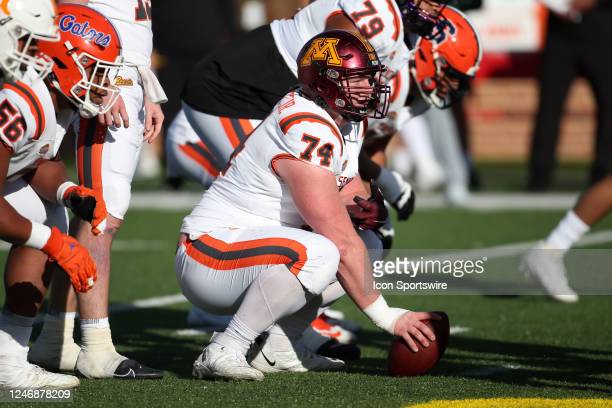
380 21
28 125
250 193
132 20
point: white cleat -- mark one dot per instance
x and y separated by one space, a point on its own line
217 361
54 355
298 359
546 265
16 372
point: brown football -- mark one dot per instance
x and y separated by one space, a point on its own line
403 362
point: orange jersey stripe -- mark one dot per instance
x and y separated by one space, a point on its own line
80 151
281 157
289 121
221 255
246 126
396 20
193 154
90 146
96 156
230 132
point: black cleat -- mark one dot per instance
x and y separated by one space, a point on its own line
132 370
335 349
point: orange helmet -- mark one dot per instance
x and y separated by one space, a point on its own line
443 65
86 58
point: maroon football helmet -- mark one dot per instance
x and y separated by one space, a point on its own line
330 66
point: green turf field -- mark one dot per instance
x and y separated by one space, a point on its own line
524 347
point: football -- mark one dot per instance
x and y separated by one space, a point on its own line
403 362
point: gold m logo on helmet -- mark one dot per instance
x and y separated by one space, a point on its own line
322 49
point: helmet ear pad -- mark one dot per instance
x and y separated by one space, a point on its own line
429 84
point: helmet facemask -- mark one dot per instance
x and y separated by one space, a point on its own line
416 19
348 96
15 60
95 82
357 100
446 87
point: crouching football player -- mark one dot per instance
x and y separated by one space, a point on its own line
35 190
243 249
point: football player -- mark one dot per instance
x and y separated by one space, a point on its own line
34 187
231 90
106 158
545 262
271 241
442 67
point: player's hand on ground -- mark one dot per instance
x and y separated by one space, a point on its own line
410 326
154 118
116 116
72 258
88 205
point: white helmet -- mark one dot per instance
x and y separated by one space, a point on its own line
25 20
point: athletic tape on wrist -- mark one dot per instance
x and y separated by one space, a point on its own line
39 236
61 190
382 315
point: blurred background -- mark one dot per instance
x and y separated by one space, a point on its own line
529 123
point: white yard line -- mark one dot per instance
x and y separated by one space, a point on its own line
502 251
123 245
185 201
158 301
488 371
459 330
195 332
490 252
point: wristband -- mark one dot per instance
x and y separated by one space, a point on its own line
61 190
39 236
151 86
382 315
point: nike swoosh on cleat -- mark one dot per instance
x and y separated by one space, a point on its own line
130 374
271 363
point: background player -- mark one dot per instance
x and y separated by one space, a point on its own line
231 90
442 67
106 159
34 186
545 262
